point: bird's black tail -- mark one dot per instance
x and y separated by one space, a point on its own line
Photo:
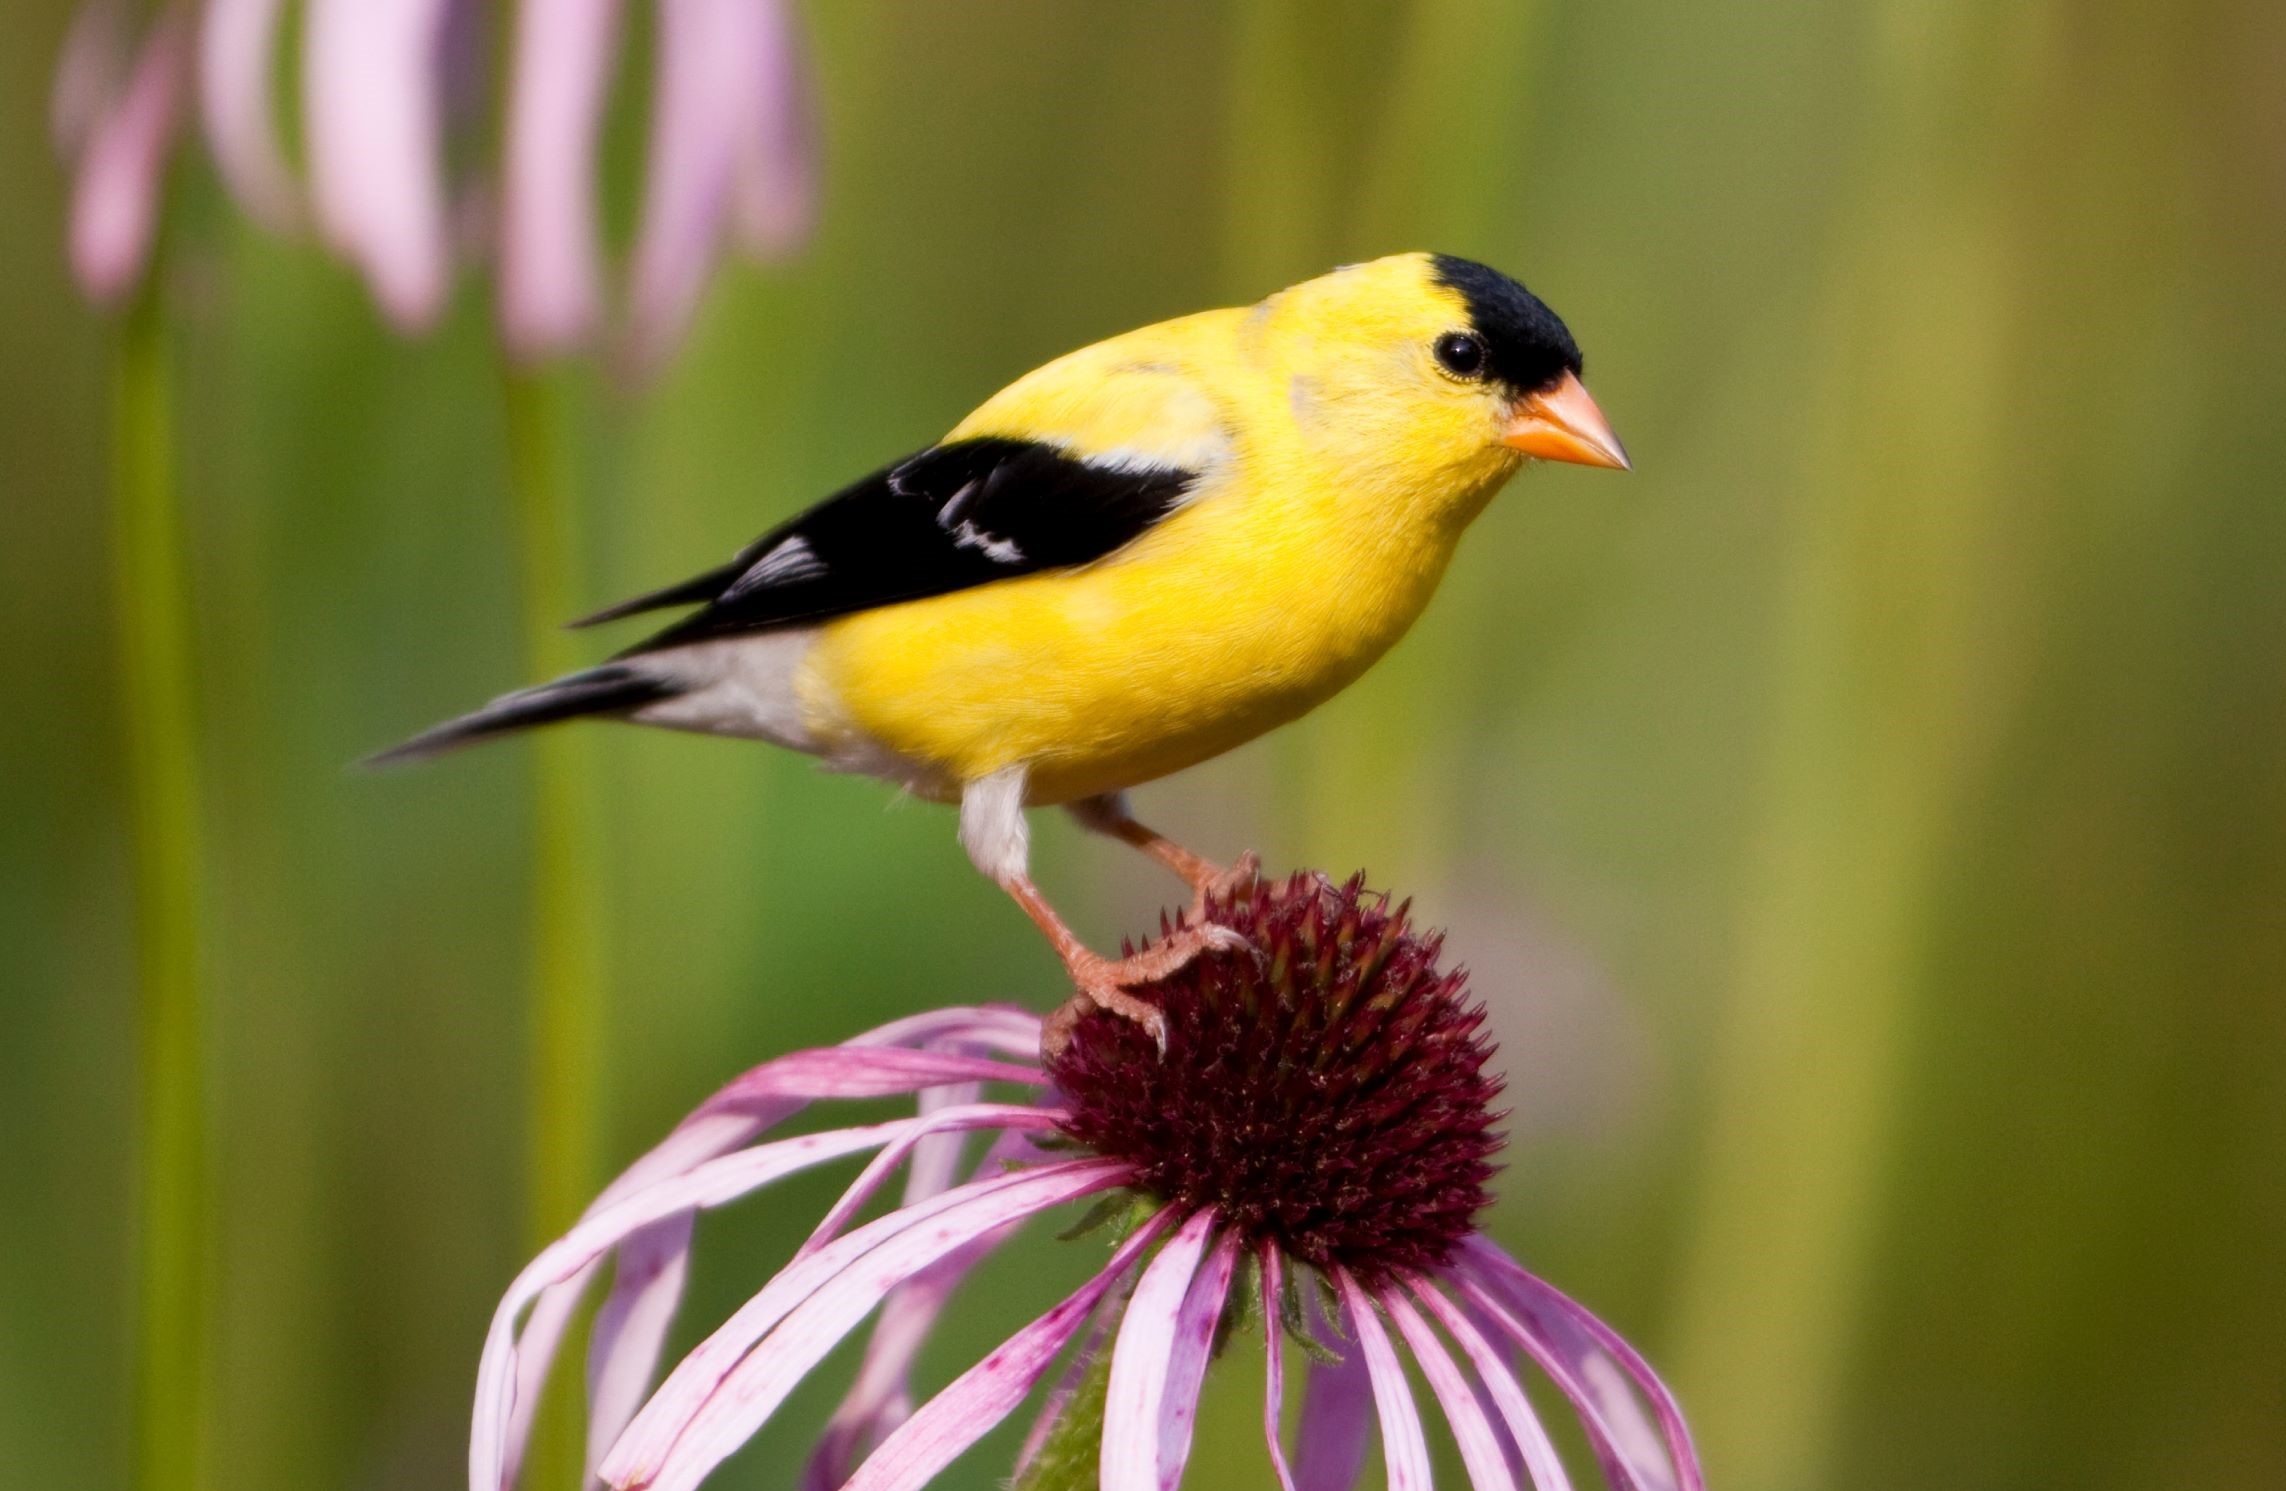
614 688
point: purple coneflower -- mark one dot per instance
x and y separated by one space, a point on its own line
1314 1145
387 89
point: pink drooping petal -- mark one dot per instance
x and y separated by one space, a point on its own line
123 167
545 1327
709 1185
937 1156
771 1093
1480 1447
939 1123
1134 1405
1573 1334
701 91
859 1072
702 1422
551 251
1625 1442
1624 1472
774 188
372 97
1336 1427
237 46
873 1064
980 1398
630 1330
1485 1397
1632 1450
880 1397
652 1262
1186 1368
1404 1450
1498 1379
89 74
1274 1364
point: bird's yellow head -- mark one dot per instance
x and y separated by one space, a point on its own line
1430 373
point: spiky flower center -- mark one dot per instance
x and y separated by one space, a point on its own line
1328 1097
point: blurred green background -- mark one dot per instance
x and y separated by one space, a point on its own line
1867 821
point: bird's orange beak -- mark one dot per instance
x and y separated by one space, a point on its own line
1563 424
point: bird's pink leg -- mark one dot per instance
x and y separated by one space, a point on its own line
1102 983
1109 815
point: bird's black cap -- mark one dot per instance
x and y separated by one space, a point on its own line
1530 347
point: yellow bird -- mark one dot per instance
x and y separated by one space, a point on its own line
1126 562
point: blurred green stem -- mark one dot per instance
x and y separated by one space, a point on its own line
565 1030
564 1023
162 760
1897 655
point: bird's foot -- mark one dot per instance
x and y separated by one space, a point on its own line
1218 885
1101 983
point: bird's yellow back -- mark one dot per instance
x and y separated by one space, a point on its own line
1336 472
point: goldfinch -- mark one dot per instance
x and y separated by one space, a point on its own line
1133 559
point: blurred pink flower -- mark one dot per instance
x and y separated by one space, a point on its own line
118 105
1324 1111
387 88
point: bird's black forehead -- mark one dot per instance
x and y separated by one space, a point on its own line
1530 346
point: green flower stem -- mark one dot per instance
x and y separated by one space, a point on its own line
566 1031
1072 1456
564 1060
158 704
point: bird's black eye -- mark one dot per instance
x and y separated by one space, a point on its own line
1461 353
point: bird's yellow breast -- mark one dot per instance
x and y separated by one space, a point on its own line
1295 564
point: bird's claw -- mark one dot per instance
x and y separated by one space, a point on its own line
1100 983
1222 885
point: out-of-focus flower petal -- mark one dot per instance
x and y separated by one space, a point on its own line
1186 1368
708 1185
774 193
89 70
652 1255
1485 1396
551 254
976 1401
936 1159
123 167
1563 1368
698 1419
879 1063
631 1329
1274 1364
932 1123
545 1327
1499 1381
1403 1448
1329 1449
237 41
875 1064
701 94
372 96
1480 1447
859 1072
1554 1328
881 1397
1134 1405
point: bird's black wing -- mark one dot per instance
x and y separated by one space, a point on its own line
956 515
